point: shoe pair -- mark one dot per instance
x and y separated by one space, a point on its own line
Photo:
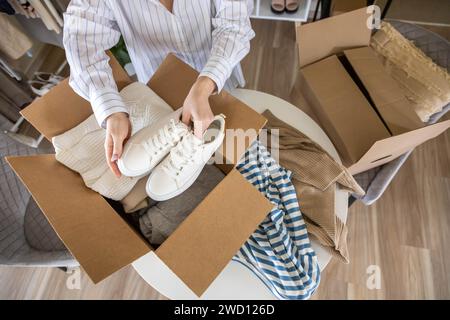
172 153
42 82
280 6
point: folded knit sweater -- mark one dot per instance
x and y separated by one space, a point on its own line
82 147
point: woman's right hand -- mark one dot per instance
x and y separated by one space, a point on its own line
118 130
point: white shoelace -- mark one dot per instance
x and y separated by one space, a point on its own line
182 155
167 135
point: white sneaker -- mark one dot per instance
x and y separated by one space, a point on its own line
179 170
40 88
144 150
48 77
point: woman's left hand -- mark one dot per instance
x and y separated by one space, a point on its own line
196 106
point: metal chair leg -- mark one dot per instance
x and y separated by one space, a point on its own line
21 138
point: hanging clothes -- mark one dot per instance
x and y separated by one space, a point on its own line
46 16
279 251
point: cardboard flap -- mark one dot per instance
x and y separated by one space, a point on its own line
62 109
323 38
384 91
388 149
203 244
243 120
93 232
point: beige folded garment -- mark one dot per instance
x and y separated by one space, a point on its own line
423 82
137 198
315 176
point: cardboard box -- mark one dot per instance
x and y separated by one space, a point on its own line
97 236
361 108
342 6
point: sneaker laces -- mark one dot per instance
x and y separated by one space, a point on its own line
167 135
182 154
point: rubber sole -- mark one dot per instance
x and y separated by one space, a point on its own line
291 11
284 11
123 170
276 11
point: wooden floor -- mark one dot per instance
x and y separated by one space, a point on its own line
406 234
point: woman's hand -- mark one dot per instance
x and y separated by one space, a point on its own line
196 106
118 130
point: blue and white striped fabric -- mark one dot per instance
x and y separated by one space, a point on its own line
279 251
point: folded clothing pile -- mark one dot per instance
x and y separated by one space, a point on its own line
315 175
425 84
278 252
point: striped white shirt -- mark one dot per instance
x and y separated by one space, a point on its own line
212 36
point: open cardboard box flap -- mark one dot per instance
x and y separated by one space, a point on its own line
326 37
203 244
388 149
93 232
96 235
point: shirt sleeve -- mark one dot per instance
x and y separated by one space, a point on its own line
231 37
90 30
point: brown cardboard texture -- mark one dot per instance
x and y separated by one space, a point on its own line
344 112
97 236
359 105
384 91
386 150
93 232
323 38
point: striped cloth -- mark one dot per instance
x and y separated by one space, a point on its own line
279 251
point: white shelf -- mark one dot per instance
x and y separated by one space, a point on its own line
262 10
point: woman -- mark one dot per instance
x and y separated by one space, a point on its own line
212 36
